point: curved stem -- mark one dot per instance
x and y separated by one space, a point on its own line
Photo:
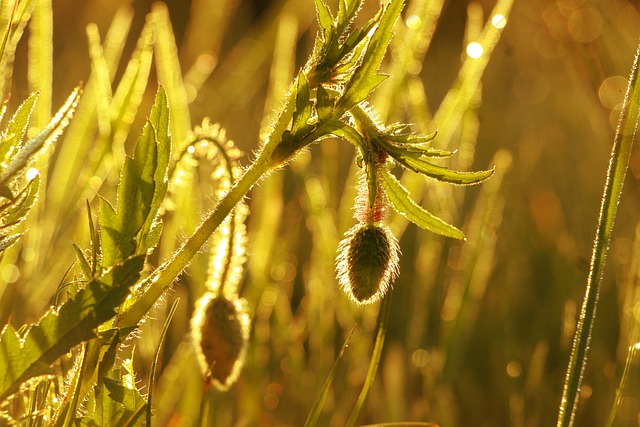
163 277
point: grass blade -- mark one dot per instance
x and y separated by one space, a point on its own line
375 361
154 364
618 165
312 419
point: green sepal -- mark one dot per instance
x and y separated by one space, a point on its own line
399 197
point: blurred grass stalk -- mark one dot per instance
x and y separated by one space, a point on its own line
618 165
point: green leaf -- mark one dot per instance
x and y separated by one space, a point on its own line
61 329
324 19
442 173
169 73
7 241
85 267
400 199
314 414
116 405
142 188
50 133
17 127
365 79
324 104
17 211
128 95
159 121
303 104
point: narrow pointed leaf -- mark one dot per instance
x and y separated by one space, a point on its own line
17 127
365 78
20 207
161 138
324 18
142 187
61 329
442 173
85 267
314 414
303 105
324 103
400 199
50 133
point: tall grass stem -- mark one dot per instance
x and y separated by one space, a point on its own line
618 165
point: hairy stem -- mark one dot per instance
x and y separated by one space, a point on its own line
618 164
164 276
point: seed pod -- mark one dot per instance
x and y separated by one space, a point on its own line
367 262
220 331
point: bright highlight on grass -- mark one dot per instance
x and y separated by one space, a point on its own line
499 21
474 50
31 173
414 22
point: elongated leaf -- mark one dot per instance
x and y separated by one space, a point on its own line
303 106
128 96
41 59
324 18
141 190
442 173
366 78
17 127
324 104
159 121
170 74
49 134
116 405
314 414
626 134
100 71
400 199
19 208
61 329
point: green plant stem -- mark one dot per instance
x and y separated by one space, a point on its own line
164 276
618 164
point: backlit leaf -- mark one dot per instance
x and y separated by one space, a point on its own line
61 329
400 199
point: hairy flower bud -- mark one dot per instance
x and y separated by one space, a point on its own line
367 262
220 330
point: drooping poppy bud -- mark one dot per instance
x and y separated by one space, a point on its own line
220 330
367 262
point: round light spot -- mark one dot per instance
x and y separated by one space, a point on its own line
499 21
420 358
95 182
611 91
514 369
32 173
474 50
10 273
585 24
414 22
